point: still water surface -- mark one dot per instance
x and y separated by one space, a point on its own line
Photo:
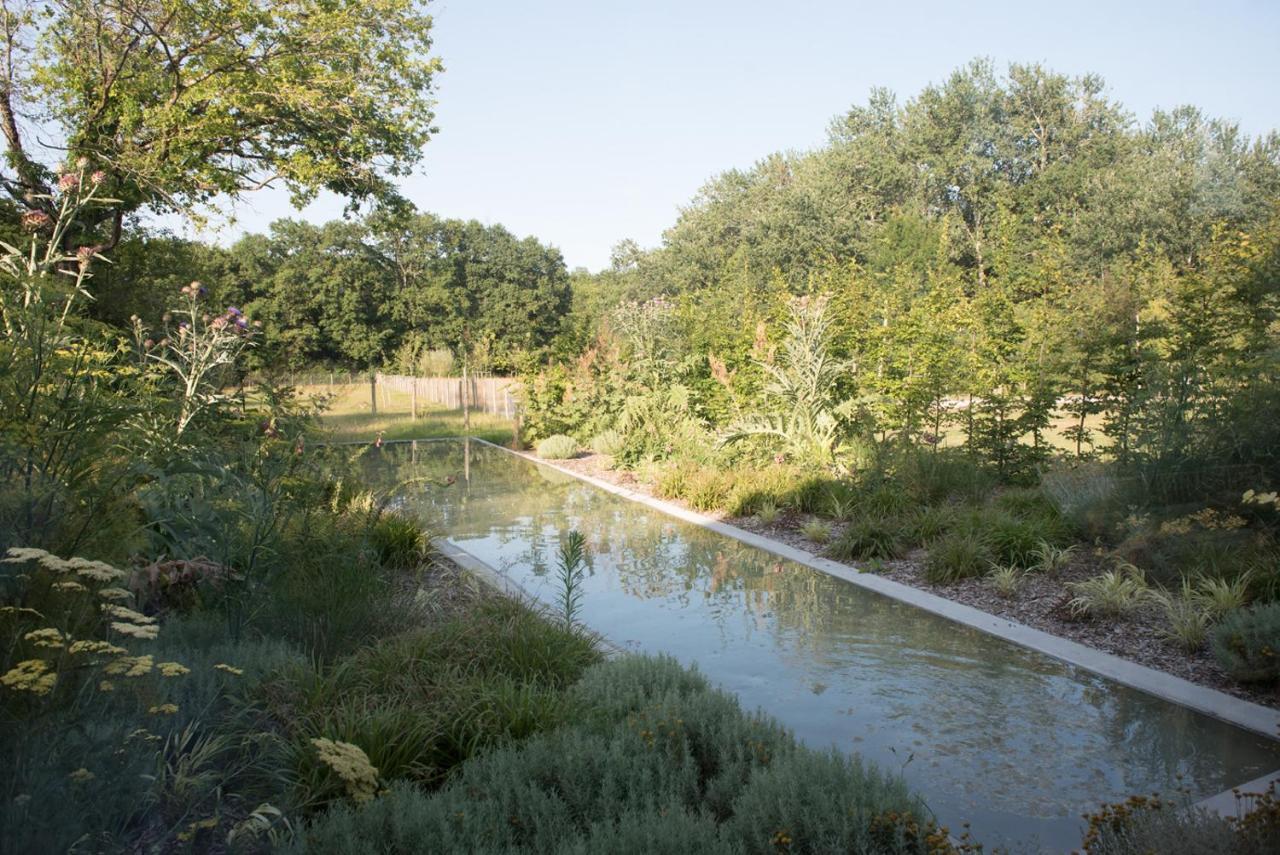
1016 743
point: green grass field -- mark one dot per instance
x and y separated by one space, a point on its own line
349 416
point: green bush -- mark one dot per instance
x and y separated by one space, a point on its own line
886 500
398 541
659 763
754 488
557 447
956 556
933 477
929 523
707 489
608 442
810 495
1247 644
1013 540
866 538
671 480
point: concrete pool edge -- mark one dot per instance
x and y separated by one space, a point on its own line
1244 714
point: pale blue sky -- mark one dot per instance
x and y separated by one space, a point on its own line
584 123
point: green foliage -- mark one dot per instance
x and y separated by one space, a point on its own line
1115 593
1006 580
768 513
1187 621
927 524
608 442
570 569
174 135
1246 642
870 537
708 489
816 530
557 447
658 748
957 555
399 542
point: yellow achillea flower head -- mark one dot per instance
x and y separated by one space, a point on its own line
164 709
82 775
222 666
69 585
172 669
47 637
106 686
130 666
104 647
32 676
22 554
351 764
114 594
94 571
146 633
122 613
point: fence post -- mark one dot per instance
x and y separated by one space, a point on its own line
413 399
373 393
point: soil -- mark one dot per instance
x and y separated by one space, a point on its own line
1041 601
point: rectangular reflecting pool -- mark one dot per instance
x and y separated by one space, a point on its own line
1014 742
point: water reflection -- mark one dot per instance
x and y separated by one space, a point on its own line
1017 743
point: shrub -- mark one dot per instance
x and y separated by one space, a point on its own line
399 542
841 504
1141 825
1247 644
660 763
557 447
866 538
1114 593
608 442
934 477
816 530
884 501
956 556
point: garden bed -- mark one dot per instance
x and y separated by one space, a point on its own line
1041 602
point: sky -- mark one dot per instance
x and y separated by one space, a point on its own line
584 123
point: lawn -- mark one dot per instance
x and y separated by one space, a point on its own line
350 418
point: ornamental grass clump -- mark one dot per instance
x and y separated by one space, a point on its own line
1115 593
816 530
1006 580
1186 621
866 538
955 556
1247 644
557 447
609 442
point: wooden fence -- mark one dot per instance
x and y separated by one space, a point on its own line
494 395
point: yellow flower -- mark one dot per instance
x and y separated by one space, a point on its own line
32 676
95 571
69 585
172 669
114 594
22 554
130 666
221 666
106 686
105 647
146 633
122 613
47 637
164 709
82 775
351 764
195 827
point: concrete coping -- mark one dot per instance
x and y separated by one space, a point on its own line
1211 702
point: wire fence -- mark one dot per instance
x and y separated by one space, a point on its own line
495 395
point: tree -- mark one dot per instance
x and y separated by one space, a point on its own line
178 102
